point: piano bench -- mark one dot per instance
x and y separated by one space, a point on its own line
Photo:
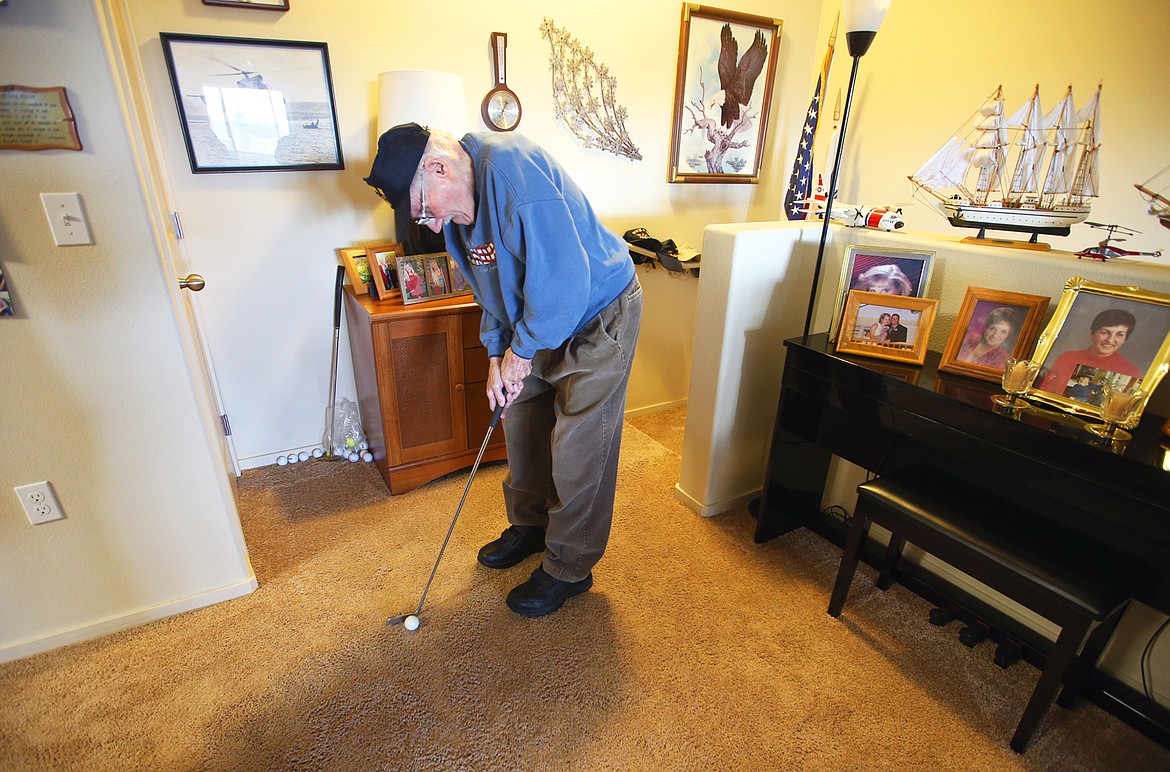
1060 575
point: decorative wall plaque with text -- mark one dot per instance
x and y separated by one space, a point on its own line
36 119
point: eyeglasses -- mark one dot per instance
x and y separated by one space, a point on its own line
424 218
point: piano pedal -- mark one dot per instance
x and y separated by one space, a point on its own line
1008 653
973 634
942 616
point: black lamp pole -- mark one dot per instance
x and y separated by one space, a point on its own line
859 43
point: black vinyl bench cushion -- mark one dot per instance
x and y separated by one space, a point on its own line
1081 585
1000 534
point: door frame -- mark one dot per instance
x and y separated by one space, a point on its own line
129 79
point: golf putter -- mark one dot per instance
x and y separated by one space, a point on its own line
474 468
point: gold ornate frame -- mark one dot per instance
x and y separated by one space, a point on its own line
1083 299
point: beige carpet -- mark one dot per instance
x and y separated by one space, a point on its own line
696 649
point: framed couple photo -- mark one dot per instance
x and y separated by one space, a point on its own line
430 277
885 326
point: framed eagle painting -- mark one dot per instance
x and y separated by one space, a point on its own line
723 87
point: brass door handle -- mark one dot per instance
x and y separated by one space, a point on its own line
194 282
459 387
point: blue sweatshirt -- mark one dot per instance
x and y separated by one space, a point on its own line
540 262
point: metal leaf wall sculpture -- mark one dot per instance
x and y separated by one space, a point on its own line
584 94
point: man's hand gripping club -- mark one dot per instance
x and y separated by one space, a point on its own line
506 378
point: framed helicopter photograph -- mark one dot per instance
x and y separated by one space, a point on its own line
249 105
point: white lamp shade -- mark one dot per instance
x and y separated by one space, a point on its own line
864 15
426 97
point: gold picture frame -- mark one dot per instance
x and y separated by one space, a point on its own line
384 269
727 145
974 347
357 268
1086 312
867 312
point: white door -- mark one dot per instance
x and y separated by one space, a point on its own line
167 228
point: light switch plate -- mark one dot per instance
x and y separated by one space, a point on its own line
66 219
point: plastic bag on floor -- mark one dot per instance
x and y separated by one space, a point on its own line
348 437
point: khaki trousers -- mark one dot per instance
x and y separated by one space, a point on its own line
564 433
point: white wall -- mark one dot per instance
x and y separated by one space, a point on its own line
266 241
97 394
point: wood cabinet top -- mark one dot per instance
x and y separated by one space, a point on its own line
382 310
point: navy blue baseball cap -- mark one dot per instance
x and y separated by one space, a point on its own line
400 150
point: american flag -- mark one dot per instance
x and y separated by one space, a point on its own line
801 181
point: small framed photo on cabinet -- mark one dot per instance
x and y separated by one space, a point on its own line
384 269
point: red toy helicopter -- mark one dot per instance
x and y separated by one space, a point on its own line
1103 251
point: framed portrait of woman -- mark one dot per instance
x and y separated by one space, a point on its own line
888 271
1102 335
992 327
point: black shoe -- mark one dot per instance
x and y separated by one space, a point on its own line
515 543
543 594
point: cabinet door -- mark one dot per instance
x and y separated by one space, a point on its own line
420 377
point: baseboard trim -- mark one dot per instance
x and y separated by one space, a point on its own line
719 507
31 646
640 411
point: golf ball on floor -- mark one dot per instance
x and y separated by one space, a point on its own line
367 456
317 453
303 455
281 460
353 456
411 623
292 458
363 445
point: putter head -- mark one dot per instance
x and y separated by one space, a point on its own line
397 620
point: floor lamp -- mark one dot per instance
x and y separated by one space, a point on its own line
862 19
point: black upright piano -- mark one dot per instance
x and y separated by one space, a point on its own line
884 416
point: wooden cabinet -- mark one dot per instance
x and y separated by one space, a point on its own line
421 376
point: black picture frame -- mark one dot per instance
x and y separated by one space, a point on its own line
266 5
275 113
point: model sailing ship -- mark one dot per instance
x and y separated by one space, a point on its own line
998 173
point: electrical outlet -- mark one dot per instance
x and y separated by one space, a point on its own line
39 502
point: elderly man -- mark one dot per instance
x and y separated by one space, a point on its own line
562 307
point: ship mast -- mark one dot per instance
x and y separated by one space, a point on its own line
989 155
1026 177
1086 180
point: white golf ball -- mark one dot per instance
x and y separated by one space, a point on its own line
367 456
317 453
353 456
411 623
281 460
292 458
363 445
303 455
